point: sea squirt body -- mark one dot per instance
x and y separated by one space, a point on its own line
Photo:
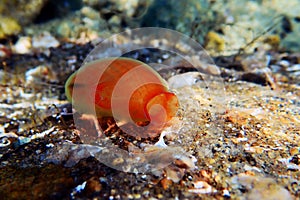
122 88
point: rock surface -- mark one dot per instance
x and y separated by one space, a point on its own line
236 134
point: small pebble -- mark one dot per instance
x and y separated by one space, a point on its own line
294 68
186 79
23 45
45 40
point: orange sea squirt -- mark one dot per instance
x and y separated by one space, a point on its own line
122 88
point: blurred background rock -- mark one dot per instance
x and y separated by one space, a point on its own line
223 27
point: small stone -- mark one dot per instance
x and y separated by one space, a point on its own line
284 63
90 13
202 187
271 154
113 191
226 193
23 45
145 192
186 79
23 140
144 177
115 20
137 196
294 68
258 150
64 29
45 40
39 74
166 183
294 151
